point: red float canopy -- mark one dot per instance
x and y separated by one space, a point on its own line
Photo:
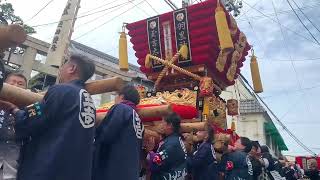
202 40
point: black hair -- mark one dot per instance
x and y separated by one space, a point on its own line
264 149
130 93
86 66
246 142
256 144
210 132
174 119
18 74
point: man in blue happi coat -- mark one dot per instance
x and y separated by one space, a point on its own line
169 162
203 163
118 140
59 129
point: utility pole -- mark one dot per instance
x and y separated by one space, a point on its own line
58 51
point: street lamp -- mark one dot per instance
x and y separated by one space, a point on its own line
233 6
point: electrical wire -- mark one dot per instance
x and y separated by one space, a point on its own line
288 29
99 7
279 12
101 16
139 8
306 16
258 2
40 10
294 91
302 22
82 16
301 144
173 6
296 60
152 8
93 29
290 56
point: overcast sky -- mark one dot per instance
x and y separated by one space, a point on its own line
291 88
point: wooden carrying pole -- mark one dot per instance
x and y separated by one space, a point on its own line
22 97
146 112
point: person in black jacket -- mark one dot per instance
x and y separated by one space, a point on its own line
255 158
203 163
60 128
236 164
169 162
118 140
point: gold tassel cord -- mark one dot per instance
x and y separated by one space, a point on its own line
179 69
183 71
123 51
183 52
223 30
255 74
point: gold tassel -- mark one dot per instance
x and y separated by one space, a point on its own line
123 51
233 126
206 108
148 61
184 51
224 34
255 74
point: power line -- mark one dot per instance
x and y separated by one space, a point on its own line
288 51
294 91
306 16
296 60
95 19
302 22
93 29
288 29
171 4
152 8
279 12
99 7
139 8
82 16
278 120
258 2
40 10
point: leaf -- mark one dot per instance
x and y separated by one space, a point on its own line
8 17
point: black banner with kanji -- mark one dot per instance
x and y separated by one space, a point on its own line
180 18
153 28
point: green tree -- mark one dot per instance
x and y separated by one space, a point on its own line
7 16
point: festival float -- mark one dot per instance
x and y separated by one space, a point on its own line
191 54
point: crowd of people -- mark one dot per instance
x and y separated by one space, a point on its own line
59 139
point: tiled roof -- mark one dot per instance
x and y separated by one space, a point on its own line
251 106
102 55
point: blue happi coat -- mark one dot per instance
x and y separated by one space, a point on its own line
118 144
173 160
60 130
203 163
236 165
